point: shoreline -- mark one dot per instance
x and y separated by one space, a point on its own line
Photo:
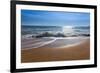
76 52
51 42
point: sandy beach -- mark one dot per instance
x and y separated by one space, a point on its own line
59 49
54 35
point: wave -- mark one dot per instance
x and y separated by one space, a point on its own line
54 31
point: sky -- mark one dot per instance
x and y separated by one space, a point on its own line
54 18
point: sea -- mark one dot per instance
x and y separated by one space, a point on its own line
54 31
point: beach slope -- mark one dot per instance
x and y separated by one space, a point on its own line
42 54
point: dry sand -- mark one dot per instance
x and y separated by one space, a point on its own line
76 52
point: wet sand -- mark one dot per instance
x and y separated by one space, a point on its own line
76 52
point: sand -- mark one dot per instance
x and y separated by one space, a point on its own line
43 54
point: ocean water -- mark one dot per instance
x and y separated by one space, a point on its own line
54 31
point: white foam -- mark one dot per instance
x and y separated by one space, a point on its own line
40 44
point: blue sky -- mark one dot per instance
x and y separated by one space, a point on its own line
53 18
